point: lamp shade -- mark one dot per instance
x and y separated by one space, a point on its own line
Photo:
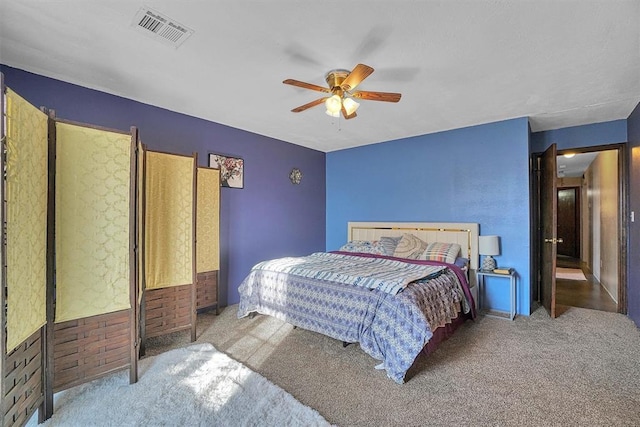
350 106
489 245
333 104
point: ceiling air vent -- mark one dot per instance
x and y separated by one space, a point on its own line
161 27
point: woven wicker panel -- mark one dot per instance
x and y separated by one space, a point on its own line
22 389
89 348
167 310
207 289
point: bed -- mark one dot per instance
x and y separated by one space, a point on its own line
397 289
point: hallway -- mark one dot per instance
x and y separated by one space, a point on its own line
579 293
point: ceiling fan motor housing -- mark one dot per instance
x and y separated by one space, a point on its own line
335 78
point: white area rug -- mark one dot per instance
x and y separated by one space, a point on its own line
570 274
193 386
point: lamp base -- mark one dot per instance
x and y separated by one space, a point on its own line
488 264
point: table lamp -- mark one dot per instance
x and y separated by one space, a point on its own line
488 246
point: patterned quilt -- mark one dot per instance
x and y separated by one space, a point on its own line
390 328
385 274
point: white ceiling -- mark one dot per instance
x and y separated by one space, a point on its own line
576 166
456 63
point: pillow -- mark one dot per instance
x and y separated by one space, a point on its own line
364 246
410 247
443 252
390 244
463 263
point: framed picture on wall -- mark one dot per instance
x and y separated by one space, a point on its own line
231 170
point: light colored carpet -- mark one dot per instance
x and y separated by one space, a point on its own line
581 369
196 385
570 274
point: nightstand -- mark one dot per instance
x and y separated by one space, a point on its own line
481 274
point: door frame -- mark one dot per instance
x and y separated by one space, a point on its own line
623 218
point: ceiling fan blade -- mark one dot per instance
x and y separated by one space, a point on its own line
377 96
309 105
304 85
347 116
355 77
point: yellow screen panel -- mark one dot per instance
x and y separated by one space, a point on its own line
93 172
168 220
208 220
27 153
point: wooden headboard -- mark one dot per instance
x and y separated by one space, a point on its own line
463 233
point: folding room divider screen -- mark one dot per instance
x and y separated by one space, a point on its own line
98 252
68 233
169 192
208 238
24 256
95 282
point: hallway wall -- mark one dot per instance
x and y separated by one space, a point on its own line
604 202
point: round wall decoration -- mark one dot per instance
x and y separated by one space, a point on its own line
295 176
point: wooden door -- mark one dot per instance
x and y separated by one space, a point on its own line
569 222
549 225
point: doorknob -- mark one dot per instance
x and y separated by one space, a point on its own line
554 241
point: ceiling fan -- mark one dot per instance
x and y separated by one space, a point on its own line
341 87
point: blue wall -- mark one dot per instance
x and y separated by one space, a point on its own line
633 272
269 218
475 174
613 132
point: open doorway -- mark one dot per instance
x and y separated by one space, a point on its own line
587 272
590 253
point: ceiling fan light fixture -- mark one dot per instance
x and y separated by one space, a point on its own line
333 104
350 106
339 92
